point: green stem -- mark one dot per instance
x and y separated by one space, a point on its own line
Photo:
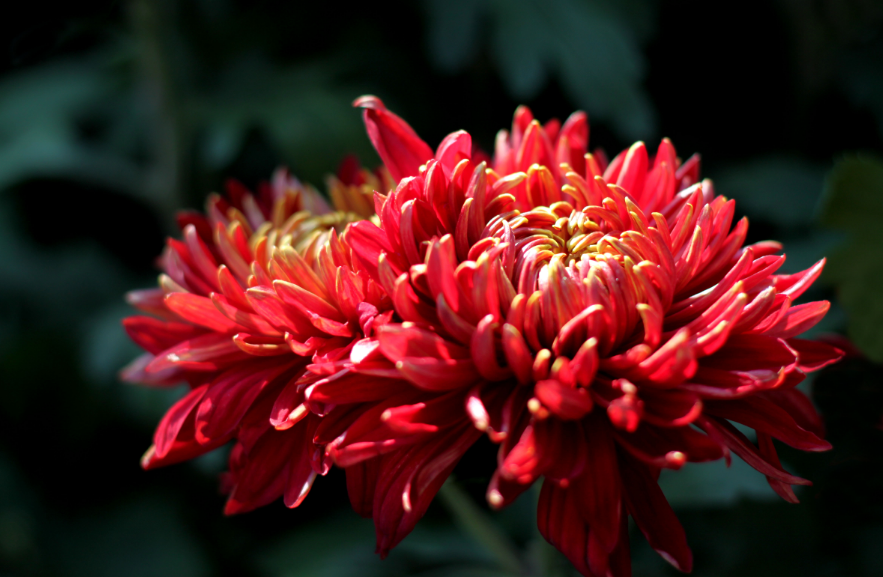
478 524
544 559
153 23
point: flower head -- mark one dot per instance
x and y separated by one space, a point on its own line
247 296
599 321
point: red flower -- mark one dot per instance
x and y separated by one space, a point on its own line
248 295
598 321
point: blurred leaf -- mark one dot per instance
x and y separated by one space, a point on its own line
478 525
781 191
587 44
147 405
854 203
328 548
44 98
714 484
453 32
857 271
854 194
145 538
17 517
861 77
773 539
58 286
305 110
462 572
640 16
521 46
600 64
804 250
871 559
210 464
519 519
39 111
106 347
337 545
441 549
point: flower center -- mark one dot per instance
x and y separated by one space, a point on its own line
568 262
304 232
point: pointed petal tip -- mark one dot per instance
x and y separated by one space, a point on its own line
822 446
495 499
147 457
369 101
686 566
233 508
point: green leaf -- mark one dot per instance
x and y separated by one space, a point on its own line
305 110
857 271
145 538
334 546
806 249
781 191
854 194
522 63
105 345
105 348
590 46
600 65
714 484
327 549
45 97
39 110
453 32
861 78
853 202
18 545
478 525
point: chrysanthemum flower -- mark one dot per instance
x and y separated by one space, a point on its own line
599 321
249 294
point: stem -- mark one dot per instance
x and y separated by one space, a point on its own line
153 24
477 524
544 559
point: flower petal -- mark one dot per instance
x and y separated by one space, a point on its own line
399 147
653 515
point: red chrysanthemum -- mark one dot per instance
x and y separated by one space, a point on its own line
600 322
229 319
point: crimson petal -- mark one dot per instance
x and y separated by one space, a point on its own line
402 151
653 515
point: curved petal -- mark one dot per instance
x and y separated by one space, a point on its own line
653 515
399 147
410 478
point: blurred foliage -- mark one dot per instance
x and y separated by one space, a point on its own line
854 203
149 530
114 114
592 46
783 192
42 112
432 551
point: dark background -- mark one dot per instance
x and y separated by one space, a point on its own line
115 114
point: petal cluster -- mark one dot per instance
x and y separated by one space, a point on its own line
256 286
603 319
599 321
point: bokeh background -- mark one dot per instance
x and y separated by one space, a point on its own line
114 114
